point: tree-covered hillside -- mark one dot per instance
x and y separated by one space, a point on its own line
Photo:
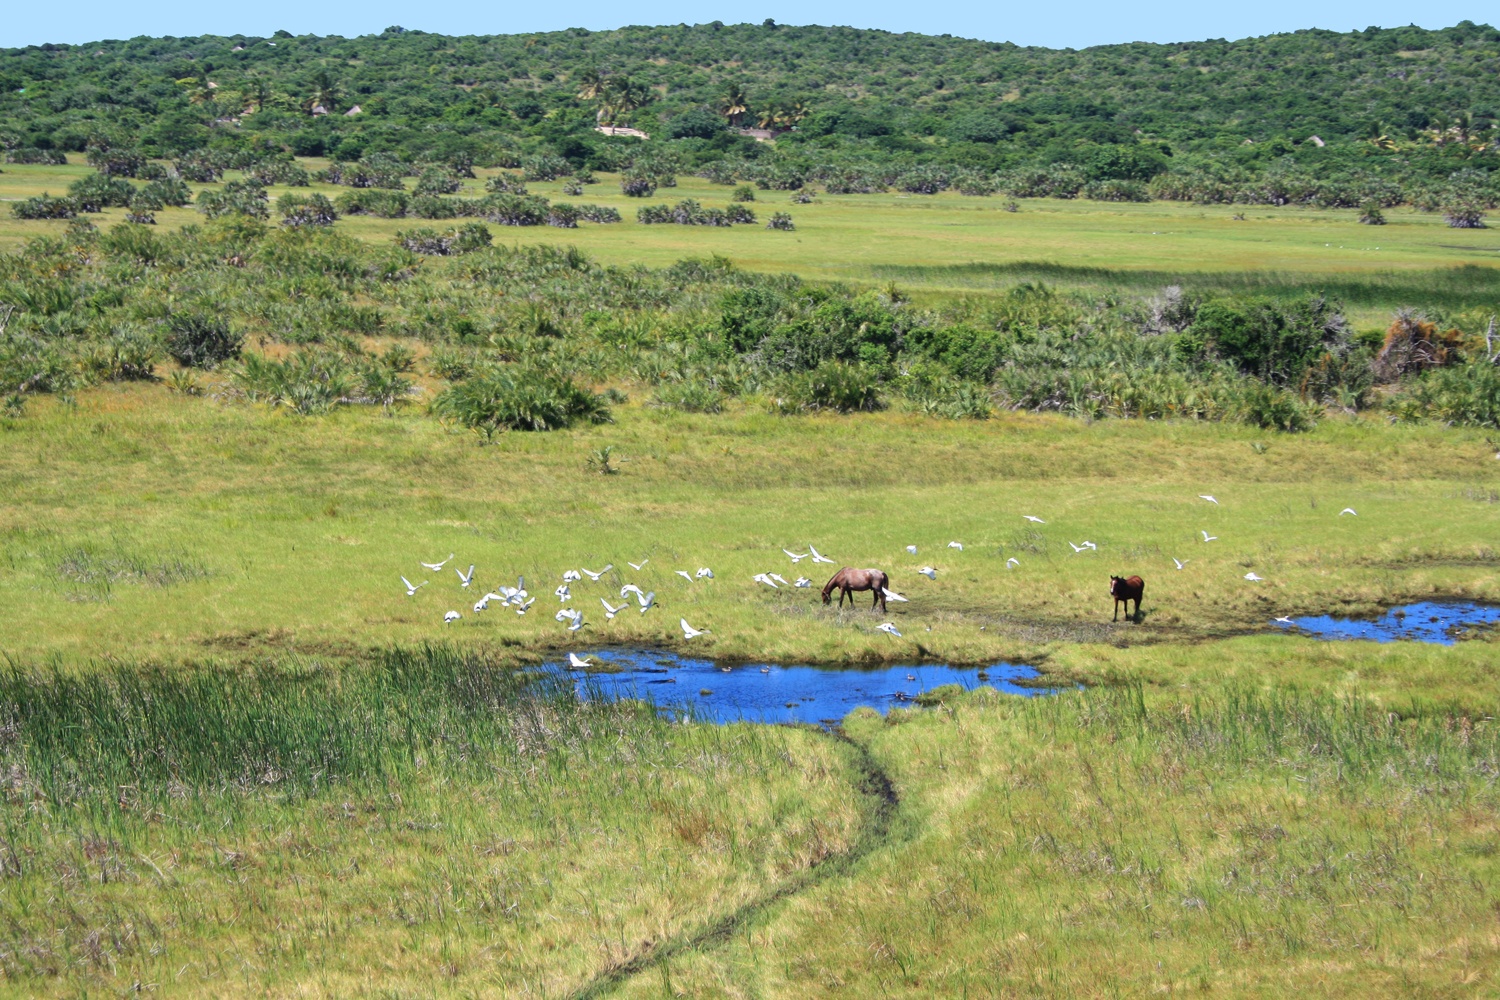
1398 100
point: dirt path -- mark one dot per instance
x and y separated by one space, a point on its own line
873 783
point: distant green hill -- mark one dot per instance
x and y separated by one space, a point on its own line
1407 98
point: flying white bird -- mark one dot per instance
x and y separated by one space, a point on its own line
570 575
1035 520
1209 538
1253 578
466 579
637 566
1090 545
1347 510
1284 620
796 558
1180 562
567 615
610 611
704 573
956 545
1205 496
438 567
521 608
595 576
411 588
802 581
630 588
451 617
928 572
818 556
577 662
778 578
688 632
1079 548
1012 561
762 578
563 593
685 575
646 600
577 624
912 549
888 629
891 595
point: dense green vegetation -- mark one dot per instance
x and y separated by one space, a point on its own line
1378 116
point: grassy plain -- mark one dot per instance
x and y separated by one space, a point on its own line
238 760
951 243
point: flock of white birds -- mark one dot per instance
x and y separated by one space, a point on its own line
519 600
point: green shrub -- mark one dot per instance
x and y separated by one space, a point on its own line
563 216
781 221
834 385
1463 395
172 191
126 355
306 210
369 201
1266 406
519 399
436 180
505 184
198 340
44 206
235 198
743 193
634 185
602 214
692 395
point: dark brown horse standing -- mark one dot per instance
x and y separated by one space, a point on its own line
849 579
1127 590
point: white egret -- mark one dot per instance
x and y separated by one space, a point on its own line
956 545
889 629
1079 548
802 581
567 615
704 573
1205 496
778 578
595 576
438 567
1209 538
928 572
1347 510
1284 620
577 624
637 566
577 662
1253 578
411 588
1180 562
481 605
688 632
630 588
610 610
685 575
796 558
912 549
891 595
818 556
647 600
1012 562
451 617
1090 545
466 580
1033 519
762 578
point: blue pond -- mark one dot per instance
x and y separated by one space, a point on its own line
1439 622
756 692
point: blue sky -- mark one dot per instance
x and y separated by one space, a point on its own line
1076 24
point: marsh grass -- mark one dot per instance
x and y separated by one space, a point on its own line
1048 848
449 819
89 572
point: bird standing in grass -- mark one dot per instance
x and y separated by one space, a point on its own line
912 549
451 617
704 573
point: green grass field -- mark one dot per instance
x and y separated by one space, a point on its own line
236 759
951 243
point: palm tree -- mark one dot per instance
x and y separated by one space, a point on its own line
259 92
326 92
734 105
591 85
620 97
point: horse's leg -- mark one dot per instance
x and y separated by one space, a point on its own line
1137 610
1117 610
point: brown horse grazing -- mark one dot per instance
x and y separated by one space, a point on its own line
849 579
1125 590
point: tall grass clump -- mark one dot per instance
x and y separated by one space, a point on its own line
519 399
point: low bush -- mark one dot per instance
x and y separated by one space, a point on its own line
602 214
508 398
44 206
306 210
781 221
198 340
833 385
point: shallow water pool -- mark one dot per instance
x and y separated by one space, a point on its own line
1441 622
758 692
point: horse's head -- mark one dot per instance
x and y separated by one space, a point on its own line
1115 583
